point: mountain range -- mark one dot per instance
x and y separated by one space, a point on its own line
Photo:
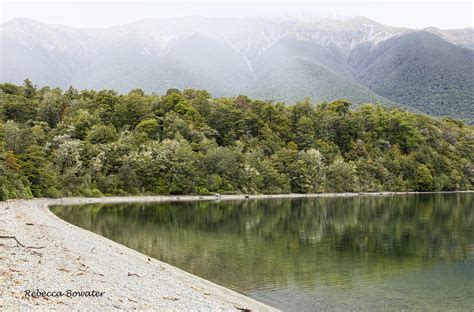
429 70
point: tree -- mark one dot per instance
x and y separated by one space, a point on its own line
29 89
17 108
130 110
90 143
52 107
305 134
308 173
423 179
341 177
101 134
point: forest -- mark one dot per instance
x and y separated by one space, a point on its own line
57 142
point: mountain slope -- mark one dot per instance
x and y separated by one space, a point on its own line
282 60
421 70
461 37
291 68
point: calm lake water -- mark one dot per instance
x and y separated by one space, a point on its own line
412 252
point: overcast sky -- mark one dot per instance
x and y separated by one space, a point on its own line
106 13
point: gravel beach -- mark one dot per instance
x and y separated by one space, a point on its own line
39 253
52 255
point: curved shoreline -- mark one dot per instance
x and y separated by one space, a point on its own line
59 256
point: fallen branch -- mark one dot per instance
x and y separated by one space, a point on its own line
170 298
199 289
18 243
14 238
39 254
28 223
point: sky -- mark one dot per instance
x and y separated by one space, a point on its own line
411 14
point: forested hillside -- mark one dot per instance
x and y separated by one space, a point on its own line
93 143
422 71
287 60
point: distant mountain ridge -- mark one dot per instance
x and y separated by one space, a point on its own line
283 60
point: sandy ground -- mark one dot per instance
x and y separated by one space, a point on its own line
57 256
52 255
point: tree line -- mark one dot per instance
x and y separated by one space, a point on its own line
57 142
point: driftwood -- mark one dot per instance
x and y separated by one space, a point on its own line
199 289
170 298
18 243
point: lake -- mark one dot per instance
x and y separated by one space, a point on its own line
356 253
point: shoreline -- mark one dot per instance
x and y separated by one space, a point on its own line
164 198
49 254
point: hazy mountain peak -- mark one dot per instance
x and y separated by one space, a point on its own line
21 22
270 58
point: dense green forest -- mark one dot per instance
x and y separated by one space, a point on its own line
92 143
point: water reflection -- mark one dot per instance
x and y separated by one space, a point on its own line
322 246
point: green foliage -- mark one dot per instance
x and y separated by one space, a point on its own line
423 179
149 127
88 143
342 177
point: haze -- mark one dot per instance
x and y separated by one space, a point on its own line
445 15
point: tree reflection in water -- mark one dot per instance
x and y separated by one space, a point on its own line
273 243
